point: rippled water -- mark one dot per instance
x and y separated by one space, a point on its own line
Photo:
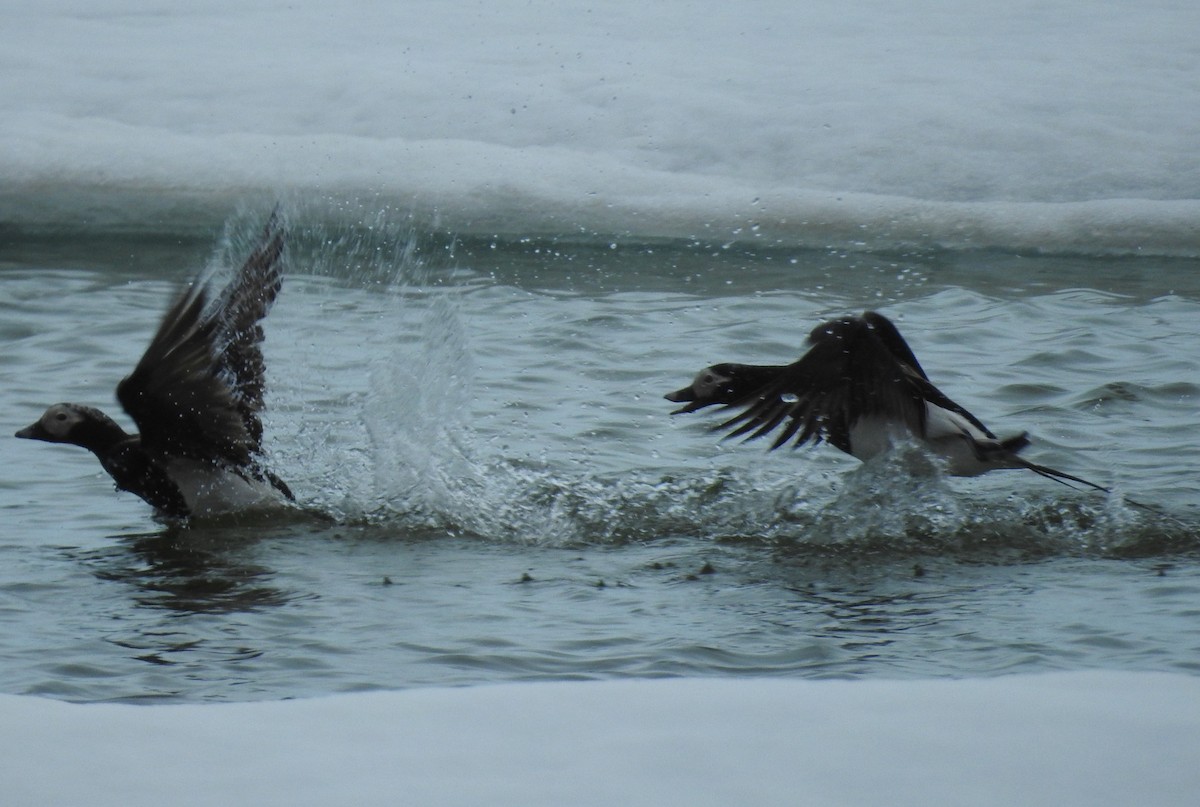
494 489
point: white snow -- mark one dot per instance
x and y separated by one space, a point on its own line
1067 125
1089 739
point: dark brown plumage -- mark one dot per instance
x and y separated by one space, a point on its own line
196 395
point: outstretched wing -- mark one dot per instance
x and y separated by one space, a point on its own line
848 373
239 312
198 389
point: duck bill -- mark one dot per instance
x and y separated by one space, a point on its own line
681 395
685 396
33 431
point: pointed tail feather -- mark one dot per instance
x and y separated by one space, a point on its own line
1061 477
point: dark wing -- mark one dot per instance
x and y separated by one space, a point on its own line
179 401
198 389
848 373
936 397
239 312
890 338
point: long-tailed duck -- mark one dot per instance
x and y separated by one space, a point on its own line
196 396
859 387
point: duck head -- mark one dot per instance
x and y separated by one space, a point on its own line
724 383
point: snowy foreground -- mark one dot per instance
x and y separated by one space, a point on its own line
1059 739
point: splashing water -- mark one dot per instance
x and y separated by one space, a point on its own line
416 414
382 414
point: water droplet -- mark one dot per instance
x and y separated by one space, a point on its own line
789 398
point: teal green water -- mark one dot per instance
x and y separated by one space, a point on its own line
495 491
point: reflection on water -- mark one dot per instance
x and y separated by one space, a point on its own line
189 570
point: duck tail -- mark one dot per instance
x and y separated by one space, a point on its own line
1058 476
1015 444
1008 448
996 453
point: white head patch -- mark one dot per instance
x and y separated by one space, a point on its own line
706 383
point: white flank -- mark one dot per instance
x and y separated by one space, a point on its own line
211 492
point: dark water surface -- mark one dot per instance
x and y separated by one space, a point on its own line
494 489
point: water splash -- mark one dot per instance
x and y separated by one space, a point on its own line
377 420
431 470
417 415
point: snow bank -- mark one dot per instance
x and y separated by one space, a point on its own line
1024 125
1091 739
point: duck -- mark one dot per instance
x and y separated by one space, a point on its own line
859 387
196 396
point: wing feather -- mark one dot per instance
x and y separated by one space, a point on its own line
849 372
198 389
